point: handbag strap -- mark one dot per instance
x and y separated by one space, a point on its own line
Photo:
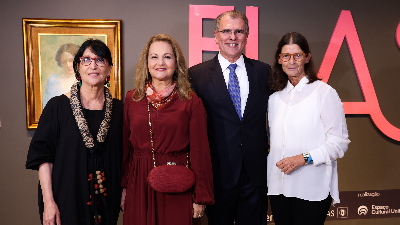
152 143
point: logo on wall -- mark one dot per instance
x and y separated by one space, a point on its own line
343 212
362 210
369 194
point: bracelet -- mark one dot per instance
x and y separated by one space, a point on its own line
307 158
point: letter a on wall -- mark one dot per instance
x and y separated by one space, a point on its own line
345 28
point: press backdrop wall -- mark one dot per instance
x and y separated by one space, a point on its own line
372 161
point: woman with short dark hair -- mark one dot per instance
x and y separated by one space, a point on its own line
77 147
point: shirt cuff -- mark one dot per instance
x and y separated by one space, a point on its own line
318 156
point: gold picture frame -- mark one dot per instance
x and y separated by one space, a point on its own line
43 41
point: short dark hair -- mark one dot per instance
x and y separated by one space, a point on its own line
278 79
234 15
98 48
69 47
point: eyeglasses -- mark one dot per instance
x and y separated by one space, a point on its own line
86 61
228 32
298 57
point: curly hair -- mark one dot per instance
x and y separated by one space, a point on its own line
278 79
180 76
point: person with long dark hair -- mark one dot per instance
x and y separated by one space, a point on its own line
308 133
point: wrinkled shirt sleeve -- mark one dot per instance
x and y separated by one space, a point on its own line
334 121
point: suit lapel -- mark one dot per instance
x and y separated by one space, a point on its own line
252 75
218 81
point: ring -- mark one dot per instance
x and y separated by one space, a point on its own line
199 215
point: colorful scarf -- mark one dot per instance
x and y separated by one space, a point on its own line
159 99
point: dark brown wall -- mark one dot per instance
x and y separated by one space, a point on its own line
371 162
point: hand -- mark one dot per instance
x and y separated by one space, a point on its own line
51 214
123 199
289 164
198 210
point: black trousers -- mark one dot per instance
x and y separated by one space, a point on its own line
295 211
244 204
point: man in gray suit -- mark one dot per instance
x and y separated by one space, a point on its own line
234 90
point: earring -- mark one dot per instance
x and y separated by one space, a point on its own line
108 81
80 81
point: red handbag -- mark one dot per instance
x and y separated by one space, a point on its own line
170 178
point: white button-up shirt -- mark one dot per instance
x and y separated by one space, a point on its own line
306 118
241 74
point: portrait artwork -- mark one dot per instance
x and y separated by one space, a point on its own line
49 49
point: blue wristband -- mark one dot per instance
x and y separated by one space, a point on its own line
310 161
307 158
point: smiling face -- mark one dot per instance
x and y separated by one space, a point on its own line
161 61
231 46
93 75
293 69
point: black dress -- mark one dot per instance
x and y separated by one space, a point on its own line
58 140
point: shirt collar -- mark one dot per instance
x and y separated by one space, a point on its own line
299 87
225 63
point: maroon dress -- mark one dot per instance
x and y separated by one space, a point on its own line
178 126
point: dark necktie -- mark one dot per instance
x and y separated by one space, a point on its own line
234 90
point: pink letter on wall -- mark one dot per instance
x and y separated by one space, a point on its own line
252 41
398 35
198 43
345 28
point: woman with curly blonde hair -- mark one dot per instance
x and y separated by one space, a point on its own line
164 123
179 77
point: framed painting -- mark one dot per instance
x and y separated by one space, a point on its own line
49 49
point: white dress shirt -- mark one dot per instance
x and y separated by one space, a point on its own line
306 118
241 73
